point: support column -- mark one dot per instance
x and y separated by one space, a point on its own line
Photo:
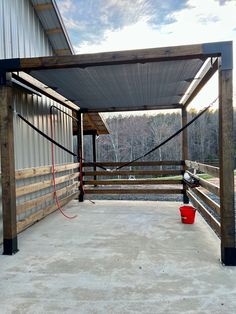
185 150
94 155
80 153
226 154
10 245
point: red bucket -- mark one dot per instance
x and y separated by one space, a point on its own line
187 214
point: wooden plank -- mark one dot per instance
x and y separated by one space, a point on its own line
208 71
43 6
184 149
34 187
137 163
51 31
24 207
132 182
226 144
133 191
8 171
32 219
62 52
206 184
112 58
38 171
206 199
133 172
158 106
211 220
213 171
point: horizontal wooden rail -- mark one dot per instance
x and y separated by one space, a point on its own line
137 163
30 220
207 185
207 200
133 172
39 171
132 182
34 187
211 220
134 191
24 207
214 171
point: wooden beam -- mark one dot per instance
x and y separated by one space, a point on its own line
132 182
24 207
137 163
203 77
206 184
211 220
112 58
39 171
62 52
10 245
184 149
43 6
133 191
134 172
52 31
34 187
207 200
214 171
32 219
226 144
134 108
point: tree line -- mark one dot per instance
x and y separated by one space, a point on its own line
132 136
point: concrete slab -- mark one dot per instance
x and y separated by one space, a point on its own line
117 257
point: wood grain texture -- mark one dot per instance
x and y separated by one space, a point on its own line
112 58
213 223
206 184
226 145
7 163
214 171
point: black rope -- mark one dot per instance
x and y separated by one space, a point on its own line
51 140
169 138
127 163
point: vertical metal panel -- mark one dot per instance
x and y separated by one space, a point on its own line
22 35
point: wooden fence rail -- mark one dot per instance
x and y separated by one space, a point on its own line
138 184
64 193
205 204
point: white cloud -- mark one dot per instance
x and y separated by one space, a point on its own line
203 21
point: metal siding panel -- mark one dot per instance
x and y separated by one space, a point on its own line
125 85
22 35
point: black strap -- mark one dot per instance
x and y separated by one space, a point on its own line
169 138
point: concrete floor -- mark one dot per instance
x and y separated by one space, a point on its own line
117 257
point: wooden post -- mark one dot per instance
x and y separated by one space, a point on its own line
80 154
185 150
10 245
228 249
94 155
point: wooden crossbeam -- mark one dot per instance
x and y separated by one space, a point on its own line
214 171
133 191
134 172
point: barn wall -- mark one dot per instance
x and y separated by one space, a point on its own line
22 35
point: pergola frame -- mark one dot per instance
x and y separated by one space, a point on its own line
221 60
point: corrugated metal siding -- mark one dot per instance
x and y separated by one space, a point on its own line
129 86
22 35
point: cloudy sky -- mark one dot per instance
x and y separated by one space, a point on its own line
106 25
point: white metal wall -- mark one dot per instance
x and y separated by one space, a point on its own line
22 35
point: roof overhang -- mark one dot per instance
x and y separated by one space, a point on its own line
157 78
